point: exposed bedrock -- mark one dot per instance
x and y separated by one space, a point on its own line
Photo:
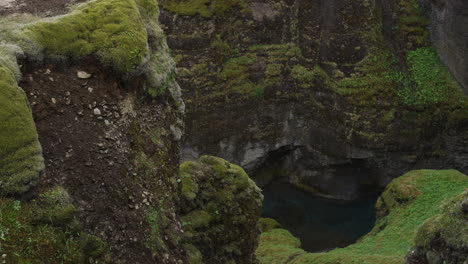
288 138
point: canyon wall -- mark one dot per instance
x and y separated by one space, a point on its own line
312 90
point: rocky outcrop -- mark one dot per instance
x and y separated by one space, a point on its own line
220 209
449 37
413 210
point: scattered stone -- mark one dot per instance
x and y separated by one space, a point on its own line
97 111
106 122
51 79
47 71
54 101
90 89
83 75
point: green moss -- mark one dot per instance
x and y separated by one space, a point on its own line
376 81
220 220
189 186
409 201
54 208
157 223
204 8
221 48
194 255
266 224
303 75
273 69
196 219
278 246
93 246
21 159
258 91
449 226
113 30
237 67
306 78
231 173
50 238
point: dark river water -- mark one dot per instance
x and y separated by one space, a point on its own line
321 224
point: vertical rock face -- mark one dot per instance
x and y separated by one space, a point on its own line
450 35
220 209
313 88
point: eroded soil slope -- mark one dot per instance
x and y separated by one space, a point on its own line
94 136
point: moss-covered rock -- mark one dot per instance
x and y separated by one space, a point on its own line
443 237
21 160
220 210
45 231
414 199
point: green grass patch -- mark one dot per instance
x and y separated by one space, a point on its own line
376 81
430 82
44 231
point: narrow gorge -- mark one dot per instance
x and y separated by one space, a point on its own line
234 131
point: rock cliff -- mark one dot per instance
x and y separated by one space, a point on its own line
336 103
310 88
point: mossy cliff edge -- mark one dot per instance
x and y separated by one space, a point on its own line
415 210
123 34
124 39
